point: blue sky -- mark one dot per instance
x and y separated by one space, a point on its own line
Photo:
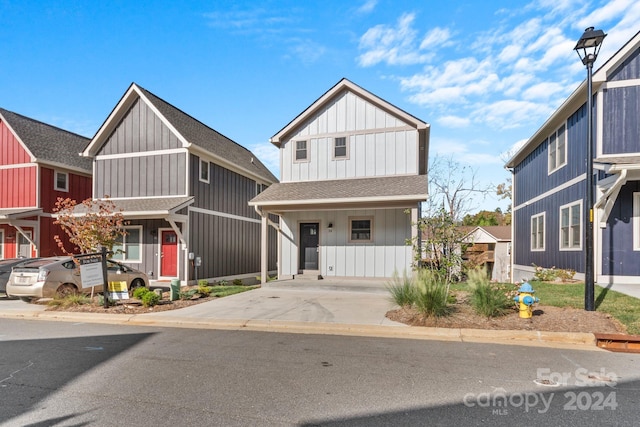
485 75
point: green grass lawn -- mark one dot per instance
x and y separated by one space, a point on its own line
624 308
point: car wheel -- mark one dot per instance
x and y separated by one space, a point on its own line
25 299
66 290
137 283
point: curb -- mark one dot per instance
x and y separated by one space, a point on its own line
570 340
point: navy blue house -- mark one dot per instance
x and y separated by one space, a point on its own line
549 180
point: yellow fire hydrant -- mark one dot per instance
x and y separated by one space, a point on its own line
526 299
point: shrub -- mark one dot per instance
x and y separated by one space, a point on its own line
237 282
150 299
69 300
486 299
203 282
431 294
204 289
187 294
138 293
552 274
402 290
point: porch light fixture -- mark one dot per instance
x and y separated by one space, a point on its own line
588 48
330 227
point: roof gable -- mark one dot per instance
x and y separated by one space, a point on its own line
46 143
332 96
191 134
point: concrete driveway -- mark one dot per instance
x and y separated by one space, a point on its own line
355 302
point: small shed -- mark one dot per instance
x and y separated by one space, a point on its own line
490 246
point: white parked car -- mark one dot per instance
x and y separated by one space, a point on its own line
48 277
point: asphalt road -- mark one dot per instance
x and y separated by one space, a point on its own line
77 374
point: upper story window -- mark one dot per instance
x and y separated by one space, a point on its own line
204 171
260 188
302 153
340 148
361 229
571 226
128 248
61 181
558 149
537 232
636 222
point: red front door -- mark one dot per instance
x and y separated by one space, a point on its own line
169 254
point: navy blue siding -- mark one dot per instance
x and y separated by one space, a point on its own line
531 175
618 256
629 69
621 131
551 256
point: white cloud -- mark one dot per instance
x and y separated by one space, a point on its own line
454 121
368 6
510 113
268 154
387 44
439 37
543 91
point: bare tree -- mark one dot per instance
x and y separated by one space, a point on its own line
454 187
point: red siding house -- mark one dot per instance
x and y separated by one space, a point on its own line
38 164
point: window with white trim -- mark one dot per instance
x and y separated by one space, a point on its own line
60 181
636 221
361 229
302 154
128 248
558 149
204 171
340 148
571 226
537 232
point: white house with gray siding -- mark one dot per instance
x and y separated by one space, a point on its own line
353 176
182 187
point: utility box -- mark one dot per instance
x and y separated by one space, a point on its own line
174 293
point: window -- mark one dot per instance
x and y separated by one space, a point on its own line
129 247
204 171
636 222
61 181
260 188
340 148
360 229
571 226
557 149
537 232
301 151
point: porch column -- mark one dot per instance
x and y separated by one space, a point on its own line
415 230
264 245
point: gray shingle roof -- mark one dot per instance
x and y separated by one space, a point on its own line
409 188
49 143
203 136
161 205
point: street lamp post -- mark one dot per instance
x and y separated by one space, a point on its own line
587 48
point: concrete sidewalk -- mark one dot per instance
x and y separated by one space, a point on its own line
354 308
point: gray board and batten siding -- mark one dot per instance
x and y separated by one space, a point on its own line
143 157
